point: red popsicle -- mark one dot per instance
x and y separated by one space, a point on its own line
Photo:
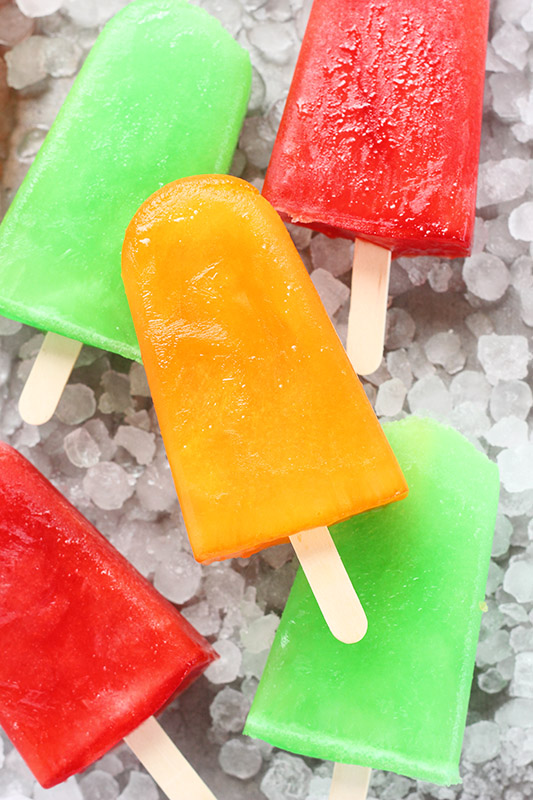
380 136
89 649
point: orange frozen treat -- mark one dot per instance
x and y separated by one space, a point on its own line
267 428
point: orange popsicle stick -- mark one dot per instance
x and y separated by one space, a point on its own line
267 428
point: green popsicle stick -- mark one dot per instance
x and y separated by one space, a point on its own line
161 96
398 699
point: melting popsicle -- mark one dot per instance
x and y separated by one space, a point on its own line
267 428
397 700
379 141
161 95
89 649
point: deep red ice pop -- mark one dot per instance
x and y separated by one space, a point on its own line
89 650
381 130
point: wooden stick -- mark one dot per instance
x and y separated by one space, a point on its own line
330 584
368 306
47 379
170 770
350 782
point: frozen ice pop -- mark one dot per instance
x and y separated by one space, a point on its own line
398 699
161 95
380 136
248 376
267 428
89 649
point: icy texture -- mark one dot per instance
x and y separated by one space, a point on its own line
77 404
481 742
107 485
521 222
226 669
287 778
500 181
240 758
140 787
503 357
38 8
458 347
390 398
332 292
99 785
335 255
486 276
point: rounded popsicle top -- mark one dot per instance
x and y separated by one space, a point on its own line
162 94
254 393
398 699
381 130
89 649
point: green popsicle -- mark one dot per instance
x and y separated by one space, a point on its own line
161 96
398 699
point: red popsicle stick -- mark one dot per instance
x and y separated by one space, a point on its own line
167 766
368 306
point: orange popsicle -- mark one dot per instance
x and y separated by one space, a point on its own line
267 428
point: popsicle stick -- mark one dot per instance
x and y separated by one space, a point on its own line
47 379
350 782
330 584
169 769
368 306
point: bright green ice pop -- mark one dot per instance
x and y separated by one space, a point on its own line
398 699
161 96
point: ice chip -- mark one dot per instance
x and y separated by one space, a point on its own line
240 758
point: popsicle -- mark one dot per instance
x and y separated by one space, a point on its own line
398 699
379 141
161 95
89 649
267 428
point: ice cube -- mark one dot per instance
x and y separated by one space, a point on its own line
39 8
229 710
508 432
430 396
501 181
240 758
206 620
522 682
77 404
226 668
69 790
108 485
99 785
400 329
179 578
516 468
444 348
26 62
503 357
486 276
139 443
140 787
287 778
259 635
481 742
333 255
511 398
81 448
390 398
518 579
333 292
521 222
511 44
